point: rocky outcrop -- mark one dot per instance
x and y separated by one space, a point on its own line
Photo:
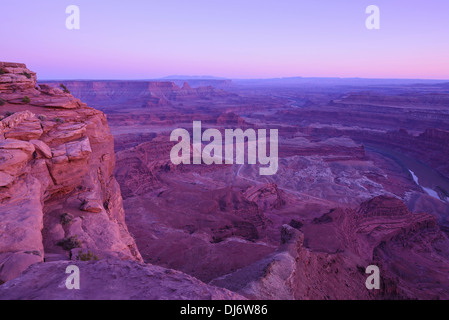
16 76
108 94
326 259
231 119
56 160
267 197
111 280
59 201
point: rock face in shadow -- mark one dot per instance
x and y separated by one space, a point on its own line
110 280
58 193
327 258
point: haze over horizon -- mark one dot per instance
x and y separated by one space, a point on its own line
201 77
229 39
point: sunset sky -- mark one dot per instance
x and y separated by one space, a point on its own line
139 39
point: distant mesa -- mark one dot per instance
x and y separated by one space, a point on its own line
185 77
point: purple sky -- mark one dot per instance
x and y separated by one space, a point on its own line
139 39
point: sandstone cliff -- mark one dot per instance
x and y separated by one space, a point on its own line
59 201
58 194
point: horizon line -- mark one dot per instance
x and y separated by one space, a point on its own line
198 78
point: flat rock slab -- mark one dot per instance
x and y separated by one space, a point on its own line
111 280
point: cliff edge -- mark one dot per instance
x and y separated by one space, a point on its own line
59 198
61 205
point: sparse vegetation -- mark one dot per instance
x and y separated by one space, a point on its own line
26 74
66 218
41 117
2 102
35 252
64 88
58 120
70 243
8 113
2 71
26 99
89 256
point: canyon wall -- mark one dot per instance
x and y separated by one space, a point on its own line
59 197
60 204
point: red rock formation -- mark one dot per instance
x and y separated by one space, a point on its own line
16 76
230 119
326 259
56 159
141 93
221 223
59 200
267 197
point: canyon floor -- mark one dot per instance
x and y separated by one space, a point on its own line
363 179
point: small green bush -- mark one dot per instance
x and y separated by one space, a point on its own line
66 218
64 88
70 243
58 120
2 102
89 256
26 99
2 71
34 252
26 74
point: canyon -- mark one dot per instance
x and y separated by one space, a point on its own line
60 202
76 180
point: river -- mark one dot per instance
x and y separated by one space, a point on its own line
430 180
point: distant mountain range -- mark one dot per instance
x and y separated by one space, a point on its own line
184 77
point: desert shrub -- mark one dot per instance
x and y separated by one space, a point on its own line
66 218
26 74
34 252
2 71
89 256
26 99
41 117
58 120
64 88
8 113
70 243
2 102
